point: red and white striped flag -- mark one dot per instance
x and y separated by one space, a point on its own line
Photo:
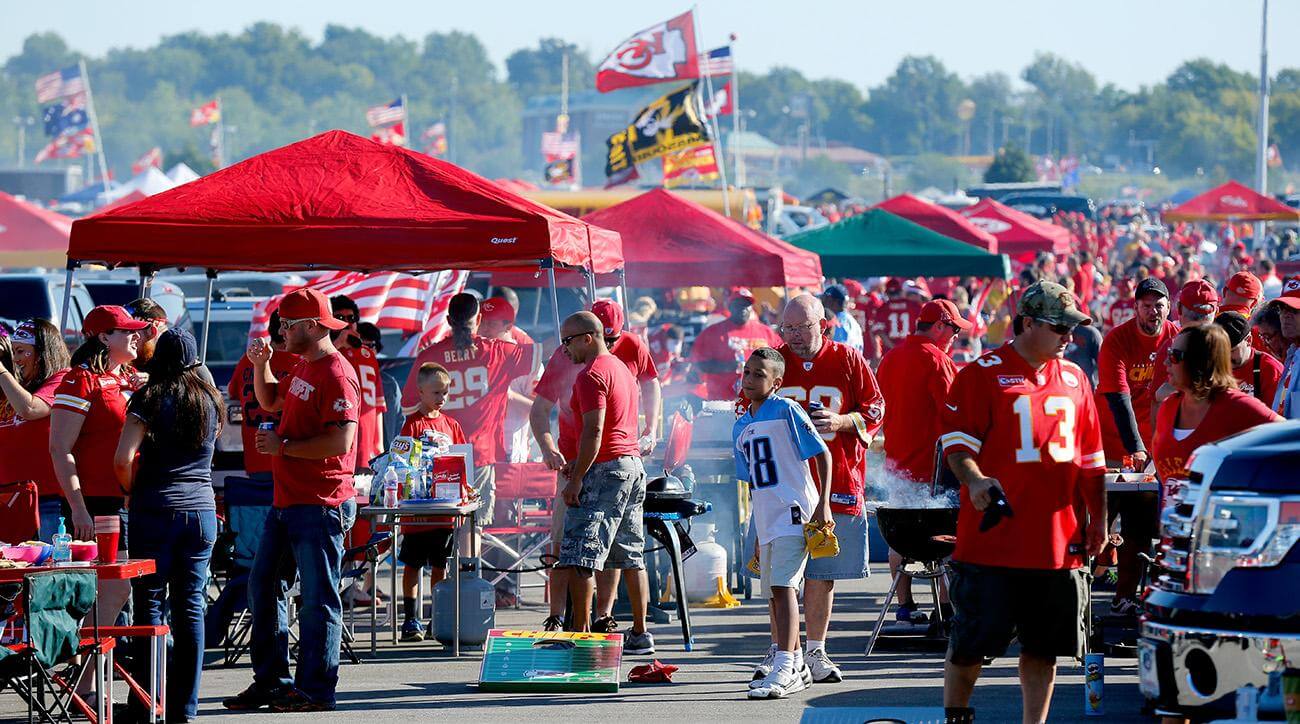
153 157
390 300
60 84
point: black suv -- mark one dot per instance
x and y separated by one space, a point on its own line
1223 610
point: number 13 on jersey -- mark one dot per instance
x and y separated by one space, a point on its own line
1061 446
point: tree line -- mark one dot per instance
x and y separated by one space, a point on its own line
277 86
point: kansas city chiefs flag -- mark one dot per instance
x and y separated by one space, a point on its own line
658 54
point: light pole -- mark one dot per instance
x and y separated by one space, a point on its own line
1261 129
23 122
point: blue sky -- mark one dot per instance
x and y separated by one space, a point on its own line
1123 42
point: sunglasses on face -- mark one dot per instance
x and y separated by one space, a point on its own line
564 341
1177 355
1061 329
289 323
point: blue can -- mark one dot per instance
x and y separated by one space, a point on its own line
814 405
1094 674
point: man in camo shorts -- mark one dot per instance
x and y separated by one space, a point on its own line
606 483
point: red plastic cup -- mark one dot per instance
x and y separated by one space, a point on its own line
108 533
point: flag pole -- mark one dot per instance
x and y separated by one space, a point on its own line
739 158
94 123
406 123
717 141
220 161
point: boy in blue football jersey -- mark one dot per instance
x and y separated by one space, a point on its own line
773 442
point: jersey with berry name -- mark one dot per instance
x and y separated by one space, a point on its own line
479 391
1036 432
895 320
838 377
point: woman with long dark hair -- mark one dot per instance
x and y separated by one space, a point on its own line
33 362
172 424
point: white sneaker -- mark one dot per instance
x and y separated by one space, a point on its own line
805 673
824 671
763 669
778 685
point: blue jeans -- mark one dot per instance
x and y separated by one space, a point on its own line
307 539
53 507
180 542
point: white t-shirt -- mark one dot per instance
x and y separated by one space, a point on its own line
771 449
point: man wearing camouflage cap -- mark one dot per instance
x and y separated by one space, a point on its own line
1022 432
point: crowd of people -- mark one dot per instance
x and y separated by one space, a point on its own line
1138 347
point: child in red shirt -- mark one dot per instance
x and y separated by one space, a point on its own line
428 544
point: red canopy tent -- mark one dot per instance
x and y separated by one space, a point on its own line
670 241
1020 236
130 198
940 219
30 235
1231 201
340 201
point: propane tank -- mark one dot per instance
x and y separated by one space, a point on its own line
477 609
703 569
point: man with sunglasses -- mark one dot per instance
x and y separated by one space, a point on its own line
915 377
1198 303
1021 422
1286 402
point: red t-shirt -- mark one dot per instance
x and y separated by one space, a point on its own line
1159 371
915 377
607 384
729 342
241 390
369 438
839 378
1083 284
557 382
1036 432
1231 411
520 336
26 444
101 399
894 320
417 425
1126 364
480 386
1270 373
316 394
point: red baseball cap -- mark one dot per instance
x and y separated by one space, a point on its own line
942 310
1245 284
894 285
497 308
1198 295
854 287
740 293
108 317
309 304
610 314
1290 293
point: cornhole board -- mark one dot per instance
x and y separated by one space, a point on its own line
558 661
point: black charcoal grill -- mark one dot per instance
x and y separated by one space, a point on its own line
924 536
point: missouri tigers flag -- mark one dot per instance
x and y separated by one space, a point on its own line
673 122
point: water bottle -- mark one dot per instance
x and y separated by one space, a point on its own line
390 488
62 544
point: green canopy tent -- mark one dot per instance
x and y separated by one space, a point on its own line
878 243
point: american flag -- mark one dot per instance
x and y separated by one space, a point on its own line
60 83
717 62
390 300
384 115
558 146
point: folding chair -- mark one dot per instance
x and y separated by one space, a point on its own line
529 488
46 668
358 561
20 515
228 622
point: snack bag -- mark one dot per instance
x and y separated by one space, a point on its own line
448 478
820 540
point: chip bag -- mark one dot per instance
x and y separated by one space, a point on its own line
820 540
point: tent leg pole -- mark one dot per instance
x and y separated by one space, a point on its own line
622 285
146 281
207 316
67 298
555 301
591 287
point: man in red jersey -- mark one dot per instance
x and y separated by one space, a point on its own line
498 322
1257 373
915 377
893 321
242 391
835 385
1022 426
370 419
555 389
313 454
1124 307
721 349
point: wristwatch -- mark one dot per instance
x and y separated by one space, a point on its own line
284 444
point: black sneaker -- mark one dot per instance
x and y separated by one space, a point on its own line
604 624
295 701
252 698
552 623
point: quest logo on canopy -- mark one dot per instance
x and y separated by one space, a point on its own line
504 239
993 226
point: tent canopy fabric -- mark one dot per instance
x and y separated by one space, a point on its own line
671 241
1019 235
941 219
340 201
30 235
878 243
1231 201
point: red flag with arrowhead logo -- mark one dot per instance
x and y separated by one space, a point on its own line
659 54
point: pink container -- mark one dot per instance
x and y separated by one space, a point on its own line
34 554
83 550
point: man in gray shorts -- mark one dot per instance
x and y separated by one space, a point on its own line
605 492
